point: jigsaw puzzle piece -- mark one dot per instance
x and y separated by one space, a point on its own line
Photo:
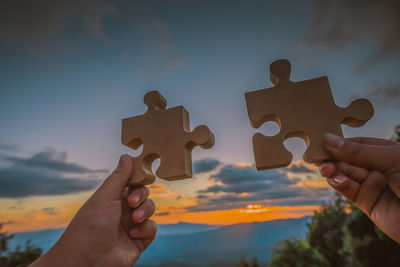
280 157
181 159
357 113
165 134
304 109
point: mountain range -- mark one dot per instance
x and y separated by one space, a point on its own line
192 245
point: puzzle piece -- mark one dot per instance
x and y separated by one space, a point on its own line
165 134
304 109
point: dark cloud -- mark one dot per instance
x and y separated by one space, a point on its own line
25 182
339 24
41 25
386 95
10 222
231 174
235 187
162 213
16 207
50 211
43 174
206 165
51 160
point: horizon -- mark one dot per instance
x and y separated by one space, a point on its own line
72 72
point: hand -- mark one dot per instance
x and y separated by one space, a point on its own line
111 228
367 173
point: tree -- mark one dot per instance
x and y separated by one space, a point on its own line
294 252
18 257
339 235
326 231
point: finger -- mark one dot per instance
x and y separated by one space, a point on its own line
147 229
372 157
144 211
371 190
373 141
113 187
328 169
143 234
345 186
353 172
137 195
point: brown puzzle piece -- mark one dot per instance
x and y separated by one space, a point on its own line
165 134
304 109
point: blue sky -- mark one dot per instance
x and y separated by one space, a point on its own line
71 71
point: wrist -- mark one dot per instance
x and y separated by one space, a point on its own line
63 254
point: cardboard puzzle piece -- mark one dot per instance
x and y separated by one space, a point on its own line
304 109
165 134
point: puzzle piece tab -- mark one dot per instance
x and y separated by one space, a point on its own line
165 134
304 109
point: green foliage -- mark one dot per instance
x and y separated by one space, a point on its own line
295 252
338 235
245 263
18 257
326 231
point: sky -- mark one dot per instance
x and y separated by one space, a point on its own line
71 70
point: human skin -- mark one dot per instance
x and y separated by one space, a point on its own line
366 171
111 229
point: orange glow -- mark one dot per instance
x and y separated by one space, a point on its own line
233 216
243 165
314 183
243 194
309 166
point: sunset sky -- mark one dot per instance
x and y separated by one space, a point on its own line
71 70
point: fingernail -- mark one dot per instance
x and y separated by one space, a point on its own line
333 140
338 179
323 169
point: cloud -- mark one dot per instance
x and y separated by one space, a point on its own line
235 186
50 211
51 160
386 95
165 213
43 174
8 147
299 168
9 222
206 165
25 182
339 24
41 25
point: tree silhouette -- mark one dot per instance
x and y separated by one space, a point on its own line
18 257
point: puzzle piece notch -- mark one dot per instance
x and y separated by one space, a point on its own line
154 101
288 103
165 134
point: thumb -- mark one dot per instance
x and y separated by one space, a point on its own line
114 185
367 156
